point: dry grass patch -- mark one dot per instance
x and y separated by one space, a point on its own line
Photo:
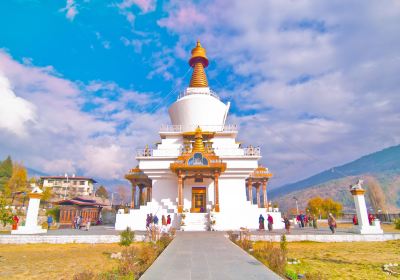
356 260
54 261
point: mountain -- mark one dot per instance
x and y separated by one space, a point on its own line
383 166
35 173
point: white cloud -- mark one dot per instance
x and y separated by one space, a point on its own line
62 137
16 113
144 5
71 9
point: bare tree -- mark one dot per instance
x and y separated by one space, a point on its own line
122 192
376 194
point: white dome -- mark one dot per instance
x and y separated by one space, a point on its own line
199 107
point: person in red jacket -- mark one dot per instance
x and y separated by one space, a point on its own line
15 223
270 222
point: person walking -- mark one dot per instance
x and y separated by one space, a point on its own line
355 220
261 222
287 223
270 222
314 222
79 222
168 222
332 223
163 224
148 221
49 221
155 220
88 221
15 222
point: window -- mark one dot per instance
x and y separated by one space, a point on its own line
75 183
82 183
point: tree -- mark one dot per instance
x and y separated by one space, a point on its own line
6 215
47 194
102 192
18 181
315 205
331 206
6 168
376 195
122 193
318 205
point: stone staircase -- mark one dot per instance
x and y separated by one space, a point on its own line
196 222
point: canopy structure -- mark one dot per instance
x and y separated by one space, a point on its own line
138 178
259 177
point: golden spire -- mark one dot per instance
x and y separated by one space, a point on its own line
198 145
198 62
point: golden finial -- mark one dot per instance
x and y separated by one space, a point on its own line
198 145
198 62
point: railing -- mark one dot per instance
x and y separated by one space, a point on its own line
249 151
158 153
198 91
185 128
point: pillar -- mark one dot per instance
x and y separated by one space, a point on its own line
250 190
264 190
148 193
362 214
31 223
133 195
258 194
140 195
216 191
180 192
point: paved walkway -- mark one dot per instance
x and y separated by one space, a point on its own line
206 255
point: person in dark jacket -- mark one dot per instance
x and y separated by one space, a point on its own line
261 222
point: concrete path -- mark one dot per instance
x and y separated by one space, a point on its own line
206 255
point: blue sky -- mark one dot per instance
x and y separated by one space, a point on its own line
84 83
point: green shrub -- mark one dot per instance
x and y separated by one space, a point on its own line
283 243
291 274
163 242
232 236
127 237
397 224
55 212
275 257
135 261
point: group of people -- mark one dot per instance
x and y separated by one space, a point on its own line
78 222
307 220
371 219
152 222
261 220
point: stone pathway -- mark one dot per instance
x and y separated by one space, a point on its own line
206 255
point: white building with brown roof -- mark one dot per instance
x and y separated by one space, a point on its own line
68 186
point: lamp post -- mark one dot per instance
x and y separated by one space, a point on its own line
65 193
297 205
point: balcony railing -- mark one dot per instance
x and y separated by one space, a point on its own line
197 91
185 128
249 151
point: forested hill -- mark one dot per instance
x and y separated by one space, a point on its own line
385 161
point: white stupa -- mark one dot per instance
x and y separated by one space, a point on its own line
199 174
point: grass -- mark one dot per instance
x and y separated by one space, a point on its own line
356 260
54 261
